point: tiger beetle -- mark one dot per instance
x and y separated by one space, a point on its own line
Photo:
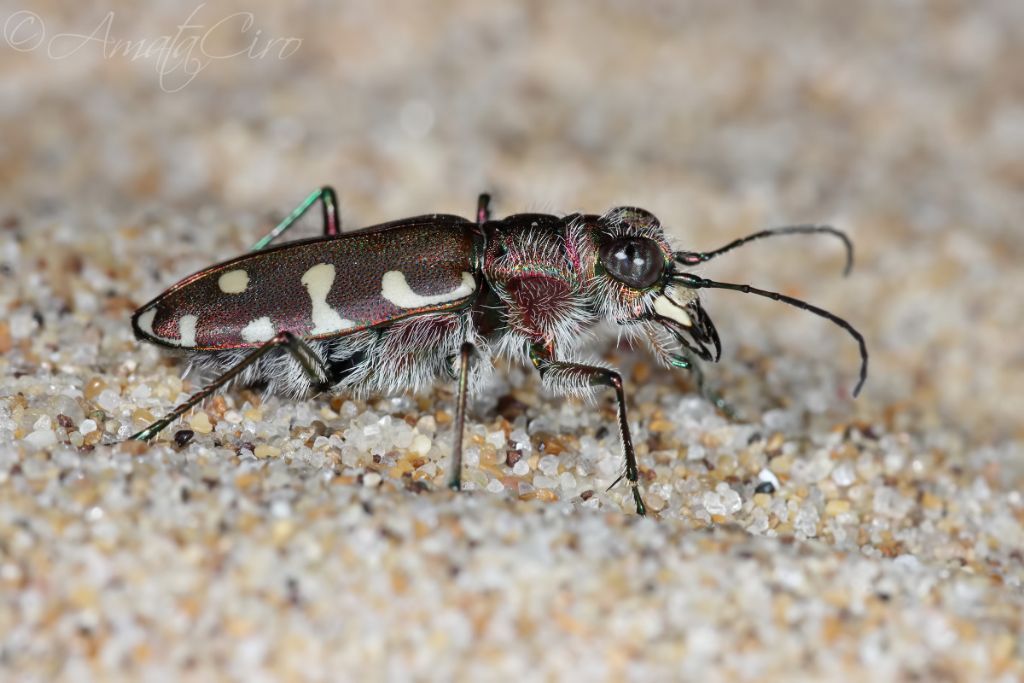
396 306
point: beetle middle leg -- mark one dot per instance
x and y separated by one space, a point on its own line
465 356
332 222
571 377
309 361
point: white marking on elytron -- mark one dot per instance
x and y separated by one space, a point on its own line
146 321
395 289
187 327
233 281
664 307
318 281
258 330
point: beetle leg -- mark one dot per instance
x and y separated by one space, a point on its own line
455 480
687 361
483 208
569 376
332 222
310 362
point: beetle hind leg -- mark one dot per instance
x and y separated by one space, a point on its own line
332 221
465 357
307 358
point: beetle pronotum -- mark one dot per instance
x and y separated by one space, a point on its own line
396 306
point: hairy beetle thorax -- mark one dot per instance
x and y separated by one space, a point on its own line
540 267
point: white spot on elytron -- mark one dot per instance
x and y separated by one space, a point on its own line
233 281
187 327
318 281
395 289
258 330
146 321
664 307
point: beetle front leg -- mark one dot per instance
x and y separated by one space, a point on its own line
560 375
455 479
309 361
687 361
332 222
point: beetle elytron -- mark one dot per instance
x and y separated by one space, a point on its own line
397 306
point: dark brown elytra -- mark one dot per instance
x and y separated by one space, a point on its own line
398 306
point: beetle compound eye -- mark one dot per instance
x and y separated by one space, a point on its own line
633 261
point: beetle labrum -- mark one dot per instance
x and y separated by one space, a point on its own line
400 305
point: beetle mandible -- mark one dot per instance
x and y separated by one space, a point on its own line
396 306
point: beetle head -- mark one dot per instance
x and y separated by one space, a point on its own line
641 283
634 281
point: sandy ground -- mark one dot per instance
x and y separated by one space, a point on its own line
315 540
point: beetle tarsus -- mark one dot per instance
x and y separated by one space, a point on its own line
150 431
685 361
641 508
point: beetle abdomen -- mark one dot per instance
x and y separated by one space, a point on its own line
319 288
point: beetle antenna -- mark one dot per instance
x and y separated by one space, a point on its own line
693 258
696 282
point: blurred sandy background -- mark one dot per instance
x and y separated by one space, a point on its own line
135 151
